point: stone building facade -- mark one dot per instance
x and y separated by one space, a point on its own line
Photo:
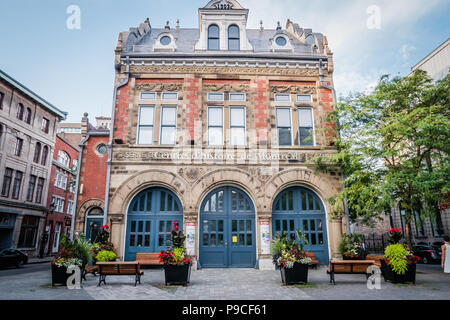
27 142
61 194
214 128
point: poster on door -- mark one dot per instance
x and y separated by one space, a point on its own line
265 237
190 238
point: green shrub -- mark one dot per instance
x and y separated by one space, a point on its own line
396 255
106 256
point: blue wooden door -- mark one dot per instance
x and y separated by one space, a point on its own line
93 227
150 221
299 208
227 230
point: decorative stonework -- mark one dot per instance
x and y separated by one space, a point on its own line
169 87
183 69
222 87
294 89
191 174
87 205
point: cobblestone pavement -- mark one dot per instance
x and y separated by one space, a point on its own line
228 284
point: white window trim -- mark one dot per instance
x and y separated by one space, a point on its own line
245 126
223 96
278 132
309 95
139 125
144 92
70 204
57 201
162 96
223 126
240 93
282 94
313 126
161 125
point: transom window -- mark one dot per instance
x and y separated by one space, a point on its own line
306 126
169 96
237 96
237 126
215 126
234 40
213 37
168 125
304 98
284 127
146 123
281 97
213 96
148 96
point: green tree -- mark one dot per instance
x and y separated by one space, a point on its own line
393 147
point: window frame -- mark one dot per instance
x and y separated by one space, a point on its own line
304 95
278 127
2 98
282 95
39 190
139 126
237 93
45 128
165 93
24 232
312 128
45 151
37 152
222 126
62 153
238 127
6 185
141 96
27 115
18 148
161 126
217 93
17 184
213 38
20 111
238 38
31 187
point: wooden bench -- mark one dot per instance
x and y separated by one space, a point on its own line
148 259
119 269
348 267
312 256
89 269
375 258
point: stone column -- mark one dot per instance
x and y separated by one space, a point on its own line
335 238
117 233
265 260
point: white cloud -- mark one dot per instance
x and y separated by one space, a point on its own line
405 50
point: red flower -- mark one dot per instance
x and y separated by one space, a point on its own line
105 227
176 228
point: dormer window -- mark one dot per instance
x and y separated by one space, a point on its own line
165 41
234 40
213 37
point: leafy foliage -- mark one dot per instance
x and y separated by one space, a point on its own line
393 146
351 246
177 255
286 252
106 256
399 258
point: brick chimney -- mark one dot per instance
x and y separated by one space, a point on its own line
84 125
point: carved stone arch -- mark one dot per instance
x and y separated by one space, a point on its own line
88 204
239 178
304 177
152 178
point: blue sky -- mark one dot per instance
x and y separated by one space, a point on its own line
73 69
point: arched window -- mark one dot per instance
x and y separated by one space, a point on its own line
44 156
95 211
37 152
213 37
20 111
63 158
234 41
28 116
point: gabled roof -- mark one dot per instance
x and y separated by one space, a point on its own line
33 96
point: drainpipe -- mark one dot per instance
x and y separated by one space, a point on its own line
80 157
111 134
323 84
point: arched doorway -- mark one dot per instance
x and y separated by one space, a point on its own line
94 222
150 221
227 230
300 208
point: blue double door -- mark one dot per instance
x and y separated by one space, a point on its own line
299 208
150 222
227 230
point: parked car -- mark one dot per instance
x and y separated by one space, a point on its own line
12 258
427 254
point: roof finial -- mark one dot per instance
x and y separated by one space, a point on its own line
261 25
167 25
279 26
178 24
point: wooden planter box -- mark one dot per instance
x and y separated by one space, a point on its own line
391 276
297 275
177 275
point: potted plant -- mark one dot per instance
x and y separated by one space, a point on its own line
177 263
351 247
291 259
106 256
399 264
69 254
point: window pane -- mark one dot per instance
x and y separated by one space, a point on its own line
145 135
233 32
169 116
283 97
215 97
305 117
170 96
213 31
237 117
213 44
168 135
234 44
237 96
306 137
215 137
304 98
237 136
147 115
284 137
283 117
215 117
148 96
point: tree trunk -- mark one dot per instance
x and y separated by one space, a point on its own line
408 234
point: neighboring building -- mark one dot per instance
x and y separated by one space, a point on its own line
71 132
91 186
103 122
212 127
437 63
27 141
61 193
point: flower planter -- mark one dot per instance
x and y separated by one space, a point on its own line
177 275
60 275
347 258
297 275
391 276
